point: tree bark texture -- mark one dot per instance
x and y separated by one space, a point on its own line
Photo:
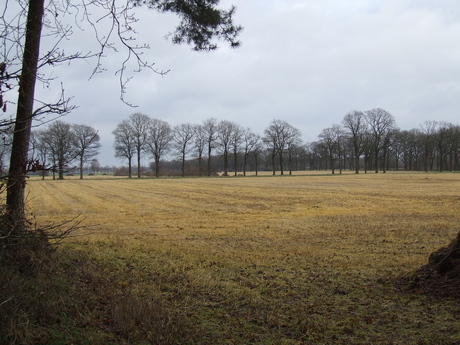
15 202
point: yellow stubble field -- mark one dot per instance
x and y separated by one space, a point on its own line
302 259
419 211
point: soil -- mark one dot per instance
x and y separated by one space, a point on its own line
440 278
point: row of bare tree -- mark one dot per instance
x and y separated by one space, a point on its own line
140 134
54 147
368 140
371 140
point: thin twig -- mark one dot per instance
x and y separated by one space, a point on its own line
9 299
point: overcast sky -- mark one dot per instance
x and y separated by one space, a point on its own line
308 62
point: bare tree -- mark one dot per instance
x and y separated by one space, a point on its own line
125 144
292 142
387 144
224 137
199 144
442 144
318 155
210 128
368 149
158 141
60 140
428 138
356 125
329 138
140 124
270 138
183 135
86 143
257 150
236 139
277 136
380 123
406 146
454 147
41 150
95 166
250 140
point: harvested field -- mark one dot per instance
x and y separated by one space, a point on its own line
268 260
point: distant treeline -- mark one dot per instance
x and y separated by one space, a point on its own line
363 141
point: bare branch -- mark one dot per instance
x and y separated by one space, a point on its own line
60 108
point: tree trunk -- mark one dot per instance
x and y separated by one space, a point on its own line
23 124
281 162
200 163
183 163
54 168
61 168
225 163
81 166
209 159
138 162
331 159
157 166
366 159
356 158
376 160
245 161
235 154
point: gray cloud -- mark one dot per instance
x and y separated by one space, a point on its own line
307 62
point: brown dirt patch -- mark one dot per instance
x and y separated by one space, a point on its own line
440 278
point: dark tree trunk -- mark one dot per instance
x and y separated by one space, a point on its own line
366 159
209 159
183 163
356 159
331 159
235 156
245 162
17 172
376 160
225 163
157 166
81 166
200 163
138 162
281 162
61 168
